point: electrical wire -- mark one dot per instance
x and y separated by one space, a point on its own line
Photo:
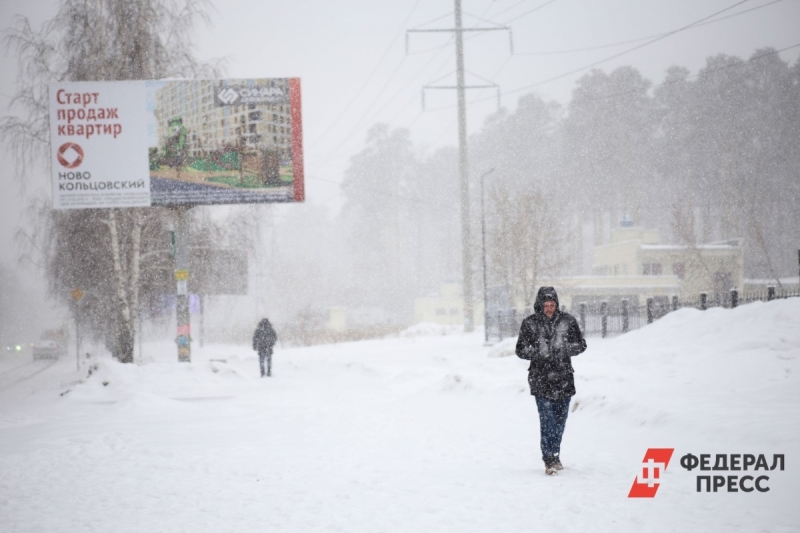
414 80
534 10
468 37
349 136
448 127
369 78
704 72
511 8
609 58
639 39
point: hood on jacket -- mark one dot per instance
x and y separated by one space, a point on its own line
544 294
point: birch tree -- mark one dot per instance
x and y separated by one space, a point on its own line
96 40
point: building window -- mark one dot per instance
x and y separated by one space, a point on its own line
441 311
679 269
652 269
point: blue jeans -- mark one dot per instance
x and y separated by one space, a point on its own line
552 419
262 357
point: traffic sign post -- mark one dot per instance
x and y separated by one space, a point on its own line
184 339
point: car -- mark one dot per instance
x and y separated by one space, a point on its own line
46 349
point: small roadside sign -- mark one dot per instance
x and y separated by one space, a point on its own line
76 294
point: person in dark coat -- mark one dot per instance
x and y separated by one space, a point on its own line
549 338
263 341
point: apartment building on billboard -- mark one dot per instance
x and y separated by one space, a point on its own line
219 115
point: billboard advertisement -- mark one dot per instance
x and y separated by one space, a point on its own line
176 142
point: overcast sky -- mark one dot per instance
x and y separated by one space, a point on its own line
351 57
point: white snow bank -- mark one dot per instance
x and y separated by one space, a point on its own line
413 433
504 348
429 328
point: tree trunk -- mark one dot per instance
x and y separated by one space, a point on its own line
123 339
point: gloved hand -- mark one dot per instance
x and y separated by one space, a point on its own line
528 353
575 348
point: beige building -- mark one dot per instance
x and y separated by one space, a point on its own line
635 266
337 319
211 126
447 307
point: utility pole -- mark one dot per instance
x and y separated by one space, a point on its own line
483 253
463 170
463 156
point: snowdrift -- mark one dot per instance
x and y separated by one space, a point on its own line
426 431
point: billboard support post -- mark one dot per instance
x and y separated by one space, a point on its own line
77 340
77 294
183 340
202 313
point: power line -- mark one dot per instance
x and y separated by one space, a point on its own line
449 126
478 34
348 137
698 74
534 10
449 13
666 83
629 50
414 79
614 56
416 199
369 78
510 8
639 39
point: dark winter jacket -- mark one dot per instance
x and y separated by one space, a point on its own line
549 343
264 338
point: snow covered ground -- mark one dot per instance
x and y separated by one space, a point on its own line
431 432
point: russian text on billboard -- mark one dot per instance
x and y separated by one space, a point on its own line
176 143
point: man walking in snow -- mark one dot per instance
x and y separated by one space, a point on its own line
548 339
263 340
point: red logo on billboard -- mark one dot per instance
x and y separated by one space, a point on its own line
70 155
653 466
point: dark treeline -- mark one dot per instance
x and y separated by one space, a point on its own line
702 158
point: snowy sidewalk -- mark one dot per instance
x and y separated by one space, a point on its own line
407 434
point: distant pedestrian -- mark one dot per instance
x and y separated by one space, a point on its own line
548 339
263 341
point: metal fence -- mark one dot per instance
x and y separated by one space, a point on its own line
605 319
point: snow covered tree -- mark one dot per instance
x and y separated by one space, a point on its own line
111 254
607 136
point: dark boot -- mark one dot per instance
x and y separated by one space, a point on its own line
550 466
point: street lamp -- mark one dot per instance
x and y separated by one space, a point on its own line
483 249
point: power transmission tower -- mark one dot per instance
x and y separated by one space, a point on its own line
463 159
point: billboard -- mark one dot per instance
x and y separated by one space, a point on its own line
176 142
